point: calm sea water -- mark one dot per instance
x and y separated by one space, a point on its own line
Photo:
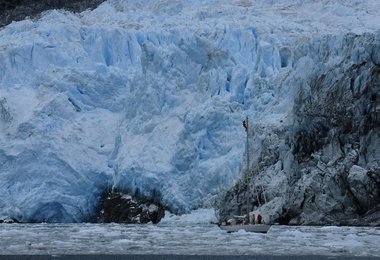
60 239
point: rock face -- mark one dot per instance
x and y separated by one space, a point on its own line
324 166
362 186
16 10
119 207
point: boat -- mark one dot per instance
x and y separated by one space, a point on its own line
240 223
245 222
258 228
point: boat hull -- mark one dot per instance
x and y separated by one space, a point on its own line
259 228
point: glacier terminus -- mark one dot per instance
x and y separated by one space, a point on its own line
149 97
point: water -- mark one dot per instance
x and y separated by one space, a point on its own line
61 239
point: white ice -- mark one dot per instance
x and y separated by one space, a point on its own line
182 238
150 96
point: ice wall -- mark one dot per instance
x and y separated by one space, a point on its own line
147 98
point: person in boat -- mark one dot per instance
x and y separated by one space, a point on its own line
259 219
253 219
246 220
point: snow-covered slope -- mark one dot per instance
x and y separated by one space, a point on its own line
149 97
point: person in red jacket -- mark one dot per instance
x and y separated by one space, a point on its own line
259 219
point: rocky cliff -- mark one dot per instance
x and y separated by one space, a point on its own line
323 167
17 10
120 207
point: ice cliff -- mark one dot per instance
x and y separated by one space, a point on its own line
149 98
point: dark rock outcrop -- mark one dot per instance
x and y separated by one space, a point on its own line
119 207
16 10
324 166
8 220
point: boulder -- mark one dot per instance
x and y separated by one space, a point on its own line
362 186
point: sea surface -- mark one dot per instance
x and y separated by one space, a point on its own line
174 239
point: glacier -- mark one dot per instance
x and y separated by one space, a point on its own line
149 97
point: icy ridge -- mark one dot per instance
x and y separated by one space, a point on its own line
144 98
